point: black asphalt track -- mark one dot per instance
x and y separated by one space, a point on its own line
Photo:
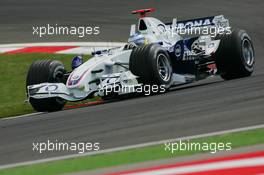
206 106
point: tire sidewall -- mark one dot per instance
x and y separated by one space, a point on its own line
156 52
244 36
229 56
55 68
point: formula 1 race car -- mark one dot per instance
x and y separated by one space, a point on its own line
157 55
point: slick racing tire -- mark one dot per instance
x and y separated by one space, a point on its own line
46 71
235 57
152 64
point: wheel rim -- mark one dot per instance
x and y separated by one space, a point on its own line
164 67
248 52
58 74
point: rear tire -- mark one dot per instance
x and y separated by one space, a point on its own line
152 64
235 57
46 71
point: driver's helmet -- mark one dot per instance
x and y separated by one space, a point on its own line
138 39
76 62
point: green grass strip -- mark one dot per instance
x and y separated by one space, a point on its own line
13 72
239 139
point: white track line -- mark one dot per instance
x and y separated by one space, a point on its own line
123 148
85 44
8 49
20 116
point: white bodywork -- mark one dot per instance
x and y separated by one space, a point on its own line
83 80
110 68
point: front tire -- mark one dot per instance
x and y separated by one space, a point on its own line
152 64
235 57
46 71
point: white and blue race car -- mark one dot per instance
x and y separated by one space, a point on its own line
158 55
